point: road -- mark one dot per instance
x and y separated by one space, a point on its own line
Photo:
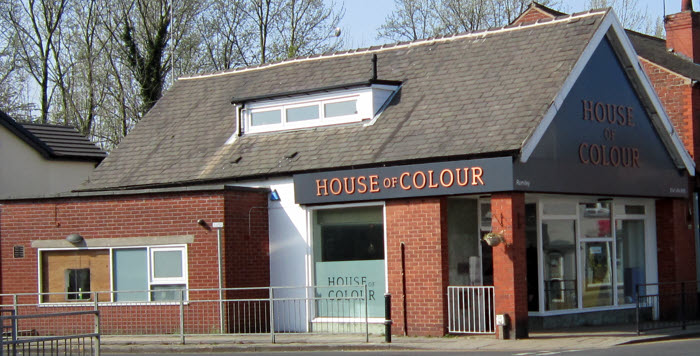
676 348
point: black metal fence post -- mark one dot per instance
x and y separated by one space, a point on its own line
387 317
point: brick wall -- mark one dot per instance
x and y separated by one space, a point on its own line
683 33
532 14
245 237
675 241
509 260
421 225
680 101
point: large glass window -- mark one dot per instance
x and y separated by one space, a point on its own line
630 259
585 261
349 253
136 274
596 243
559 252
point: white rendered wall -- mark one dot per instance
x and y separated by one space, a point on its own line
289 249
25 172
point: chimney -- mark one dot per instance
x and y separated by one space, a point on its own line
683 31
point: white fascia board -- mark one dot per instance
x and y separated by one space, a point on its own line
608 27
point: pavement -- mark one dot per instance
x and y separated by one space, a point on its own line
582 338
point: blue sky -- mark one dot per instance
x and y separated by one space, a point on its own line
363 17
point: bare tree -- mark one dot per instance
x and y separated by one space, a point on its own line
36 24
631 13
227 36
415 19
411 20
305 27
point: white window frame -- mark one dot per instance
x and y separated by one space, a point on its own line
366 108
618 213
310 263
151 281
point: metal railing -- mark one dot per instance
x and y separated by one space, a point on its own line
667 305
264 310
471 310
14 342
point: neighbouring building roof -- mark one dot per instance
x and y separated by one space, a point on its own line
654 49
469 95
54 142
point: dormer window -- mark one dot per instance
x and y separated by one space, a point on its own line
322 107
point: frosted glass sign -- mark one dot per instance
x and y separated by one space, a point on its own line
346 280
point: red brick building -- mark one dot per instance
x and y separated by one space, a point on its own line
535 158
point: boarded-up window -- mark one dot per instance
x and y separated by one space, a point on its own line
55 273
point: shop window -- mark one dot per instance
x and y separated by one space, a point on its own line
348 250
559 252
78 284
630 259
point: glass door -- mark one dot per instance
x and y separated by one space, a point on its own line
596 253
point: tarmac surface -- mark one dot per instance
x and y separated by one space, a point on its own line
570 339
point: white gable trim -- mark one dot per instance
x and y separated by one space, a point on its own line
612 28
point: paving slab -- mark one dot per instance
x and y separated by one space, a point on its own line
567 339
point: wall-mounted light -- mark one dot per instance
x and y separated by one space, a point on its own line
74 239
274 196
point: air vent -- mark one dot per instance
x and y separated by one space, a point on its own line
18 251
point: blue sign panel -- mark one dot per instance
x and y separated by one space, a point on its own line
418 180
602 141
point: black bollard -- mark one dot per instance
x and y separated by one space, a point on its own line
387 318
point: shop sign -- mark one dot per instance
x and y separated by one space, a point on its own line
346 280
602 141
431 179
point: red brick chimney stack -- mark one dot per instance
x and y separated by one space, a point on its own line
683 31
687 5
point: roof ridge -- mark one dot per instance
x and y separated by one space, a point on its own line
397 45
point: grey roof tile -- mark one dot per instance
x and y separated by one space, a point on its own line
462 96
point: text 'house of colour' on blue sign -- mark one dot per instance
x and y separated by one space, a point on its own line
430 179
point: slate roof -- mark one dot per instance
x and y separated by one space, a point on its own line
654 50
54 142
470 95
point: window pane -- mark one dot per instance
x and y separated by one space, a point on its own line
302 113
169 292
167 264
559 208
130 274
634 209
595 220
266 118
559 251
597 274
340 108
630 259
486 216
348 246
78 284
